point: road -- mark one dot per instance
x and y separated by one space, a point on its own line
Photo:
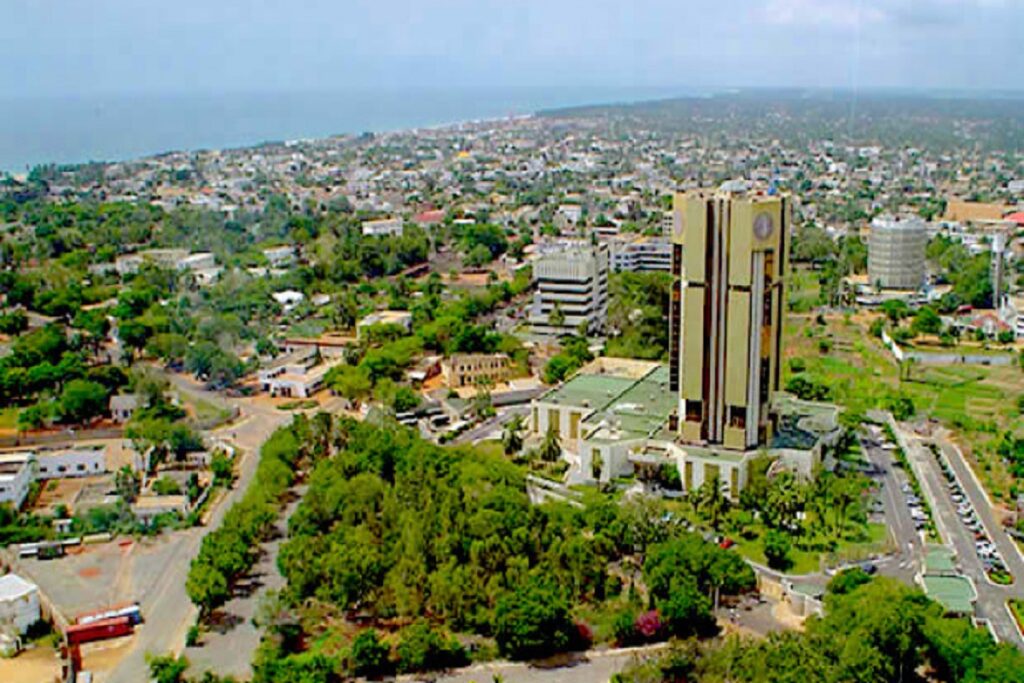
166 607
595 666
991 603
910 548
495 424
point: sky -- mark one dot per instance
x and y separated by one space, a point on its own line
92 47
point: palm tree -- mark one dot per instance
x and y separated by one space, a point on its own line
711 500
512 436
784 500
551 448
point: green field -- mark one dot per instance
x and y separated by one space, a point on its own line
977 402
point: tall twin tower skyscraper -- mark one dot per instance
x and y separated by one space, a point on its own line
729 261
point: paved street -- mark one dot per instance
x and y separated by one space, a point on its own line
991 603
228 648
597 666
493 426
166 607
903 565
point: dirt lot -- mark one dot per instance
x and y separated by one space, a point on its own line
37 665
101 657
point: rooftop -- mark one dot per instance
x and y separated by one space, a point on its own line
588 391
638 411
939 560
13 587
955 593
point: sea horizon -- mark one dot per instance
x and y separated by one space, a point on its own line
119 127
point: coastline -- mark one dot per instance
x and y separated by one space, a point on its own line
124 128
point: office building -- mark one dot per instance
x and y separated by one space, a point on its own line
725 314
896 252
571 289
640 254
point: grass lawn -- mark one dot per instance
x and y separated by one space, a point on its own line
204 410
1017 608
802 562
874 542
977 402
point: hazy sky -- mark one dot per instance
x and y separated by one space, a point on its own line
126 46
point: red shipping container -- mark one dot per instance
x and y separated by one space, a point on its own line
98 630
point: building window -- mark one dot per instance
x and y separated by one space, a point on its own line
737 417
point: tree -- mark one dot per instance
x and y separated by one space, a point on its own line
35 417
776 549
848 581
127 484
207 587
82 400
422 648
785 497
533 621
369 654
551 447
512 435
556 318
405 400
711 501
895 310
927 321
687 611
167 668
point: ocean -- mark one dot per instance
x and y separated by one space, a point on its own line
117 127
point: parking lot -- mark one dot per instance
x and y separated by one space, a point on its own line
988 554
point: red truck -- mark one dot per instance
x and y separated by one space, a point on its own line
98 630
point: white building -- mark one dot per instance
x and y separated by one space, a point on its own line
19 603
571 283
280 257
296 375
571 213
17 472
896 249
1011 312
383 227
77 461
640 254
288 299
200 261
123 406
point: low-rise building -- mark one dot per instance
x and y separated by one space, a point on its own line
297 375
123 406
17 472
76 461
612 420
1011 312
473 369
200 261
383 227
288 299
280 257
401 318
19 603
